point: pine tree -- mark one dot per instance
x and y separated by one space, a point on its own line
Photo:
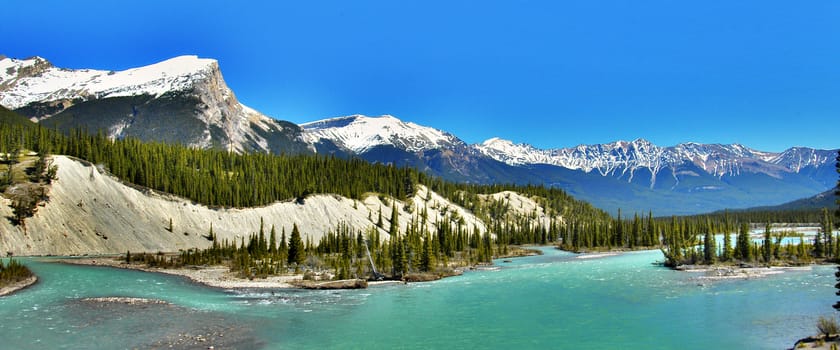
635 231
819 248
837 286
727 246
283 249
262 245
394 229
709 250
768 245
742 246
827 228
426 261
727 238
837 191
297 255
272 241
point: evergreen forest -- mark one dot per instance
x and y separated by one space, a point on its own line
219 178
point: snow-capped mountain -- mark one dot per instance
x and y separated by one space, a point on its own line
622 157
36 80
359 133
182 99
634 175
386 139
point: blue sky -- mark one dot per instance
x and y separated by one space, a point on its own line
763 73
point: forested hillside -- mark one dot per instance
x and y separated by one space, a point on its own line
228 180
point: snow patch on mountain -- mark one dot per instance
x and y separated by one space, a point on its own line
360 133
797 158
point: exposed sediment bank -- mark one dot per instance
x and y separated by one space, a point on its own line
212 276
735 272
17 286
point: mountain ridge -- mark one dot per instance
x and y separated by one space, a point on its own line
717 159
687 178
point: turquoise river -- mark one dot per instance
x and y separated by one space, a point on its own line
556 300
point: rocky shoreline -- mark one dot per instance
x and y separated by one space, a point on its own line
221 277
737 272
819 342
340 284
211 276
125 300
19 285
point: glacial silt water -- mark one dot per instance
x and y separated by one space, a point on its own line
556 300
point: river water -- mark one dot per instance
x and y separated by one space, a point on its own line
556 300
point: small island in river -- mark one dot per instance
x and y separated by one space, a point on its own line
14 277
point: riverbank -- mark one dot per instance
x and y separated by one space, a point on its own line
819 342
211 276
221 277
736 272
17 286
518 252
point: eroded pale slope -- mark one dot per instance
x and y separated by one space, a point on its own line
90 212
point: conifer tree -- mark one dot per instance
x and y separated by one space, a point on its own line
727 238
768 245
261 244
426 262
836 305
827 229
727 246
635 231
297 254
272 241
837 190
394 229
709 250
837 193
819 248
742 246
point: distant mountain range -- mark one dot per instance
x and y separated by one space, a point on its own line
186 100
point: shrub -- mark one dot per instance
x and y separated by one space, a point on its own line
13 271
828 326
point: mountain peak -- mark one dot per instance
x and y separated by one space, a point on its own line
176 66
36 80
494 140
508 152
182 99
360 133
